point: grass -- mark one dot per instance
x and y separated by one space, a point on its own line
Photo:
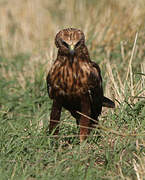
116 41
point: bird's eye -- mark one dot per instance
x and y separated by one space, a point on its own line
65 44
77 44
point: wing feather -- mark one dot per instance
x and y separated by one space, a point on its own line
96 90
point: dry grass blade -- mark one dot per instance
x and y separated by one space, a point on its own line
143 77
111 130
130 66
116 88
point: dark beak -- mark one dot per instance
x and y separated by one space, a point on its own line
72 52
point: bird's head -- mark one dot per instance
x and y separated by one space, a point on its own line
70 41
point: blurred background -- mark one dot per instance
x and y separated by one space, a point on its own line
28 28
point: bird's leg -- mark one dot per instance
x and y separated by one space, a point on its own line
84 121
55 117
76 116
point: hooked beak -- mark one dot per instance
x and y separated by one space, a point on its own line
71 50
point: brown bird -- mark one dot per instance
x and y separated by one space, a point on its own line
75 83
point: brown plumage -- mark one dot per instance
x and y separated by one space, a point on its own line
74 82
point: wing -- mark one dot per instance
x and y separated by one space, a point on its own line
49 88
106 102
96 90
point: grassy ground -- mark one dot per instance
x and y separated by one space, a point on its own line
115 36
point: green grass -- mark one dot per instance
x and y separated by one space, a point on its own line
27 151
114 151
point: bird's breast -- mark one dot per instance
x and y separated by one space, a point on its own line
70 79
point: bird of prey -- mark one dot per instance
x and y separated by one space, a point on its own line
74 82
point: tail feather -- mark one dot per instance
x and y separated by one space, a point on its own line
108 103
